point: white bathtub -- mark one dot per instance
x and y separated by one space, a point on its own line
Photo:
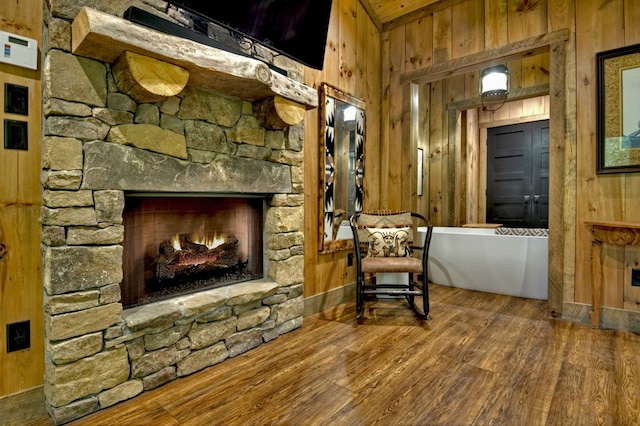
478 259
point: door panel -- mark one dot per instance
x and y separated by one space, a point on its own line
518 175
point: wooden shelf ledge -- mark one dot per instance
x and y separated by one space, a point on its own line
98 35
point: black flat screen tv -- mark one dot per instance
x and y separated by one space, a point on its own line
294 28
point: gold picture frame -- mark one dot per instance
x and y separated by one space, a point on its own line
618 133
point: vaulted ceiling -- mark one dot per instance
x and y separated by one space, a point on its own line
387 14
387 10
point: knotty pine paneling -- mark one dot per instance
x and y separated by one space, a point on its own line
20 268
593 27
352 64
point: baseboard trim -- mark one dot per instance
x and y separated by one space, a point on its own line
328 299
611 318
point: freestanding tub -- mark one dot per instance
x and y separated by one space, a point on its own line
479 259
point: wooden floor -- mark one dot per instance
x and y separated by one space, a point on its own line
483 359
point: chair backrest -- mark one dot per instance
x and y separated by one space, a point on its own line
390 220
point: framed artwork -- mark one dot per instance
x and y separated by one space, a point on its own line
618 124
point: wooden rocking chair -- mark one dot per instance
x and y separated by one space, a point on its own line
384 242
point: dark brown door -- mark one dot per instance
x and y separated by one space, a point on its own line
518 175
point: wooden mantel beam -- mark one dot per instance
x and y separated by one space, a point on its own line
105 37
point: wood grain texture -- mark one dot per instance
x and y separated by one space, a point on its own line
483 359
352 64
20 267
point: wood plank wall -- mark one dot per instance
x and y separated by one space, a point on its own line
602 26
352 64
20 269
453 169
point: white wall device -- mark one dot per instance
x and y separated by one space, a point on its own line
18 50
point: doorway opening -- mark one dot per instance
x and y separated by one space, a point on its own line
518 175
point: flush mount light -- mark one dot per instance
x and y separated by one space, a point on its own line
494 87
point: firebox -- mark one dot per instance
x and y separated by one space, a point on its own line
183 244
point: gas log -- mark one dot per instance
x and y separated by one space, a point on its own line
194 259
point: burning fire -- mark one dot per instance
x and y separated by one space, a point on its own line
211 241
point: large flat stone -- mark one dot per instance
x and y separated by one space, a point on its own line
113 166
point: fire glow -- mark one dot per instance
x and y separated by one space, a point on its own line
211 241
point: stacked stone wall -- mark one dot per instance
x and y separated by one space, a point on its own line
98 144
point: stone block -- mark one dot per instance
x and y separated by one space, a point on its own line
159 315
243 341
88 376
147 114
61 153
85 129
116 166
252 151
74 78
247 292
285 240
58 199
198 360
282 254
71 302
110 294
170 105
64 326
284 219
199 104
291 158
172 123
74 349
63 179
61 107
155 361
68 216
122 392
253 318
165 338
75 410
287 272
59 34
199 303
77 236
77 268
53 235
151 138
275 139
295 137
109 206
207 137
159 378
289 310
203 335
112 116
218 314
200 156
121 102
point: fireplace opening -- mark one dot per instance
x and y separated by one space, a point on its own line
183 244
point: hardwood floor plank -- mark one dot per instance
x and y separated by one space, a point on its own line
483 359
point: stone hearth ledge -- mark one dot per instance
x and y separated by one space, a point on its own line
165 313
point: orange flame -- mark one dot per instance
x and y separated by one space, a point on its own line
211 241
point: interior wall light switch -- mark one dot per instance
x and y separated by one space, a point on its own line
15 134
16 99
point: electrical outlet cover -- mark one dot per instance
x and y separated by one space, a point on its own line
18 336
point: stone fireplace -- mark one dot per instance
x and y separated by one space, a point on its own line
105 148
180 244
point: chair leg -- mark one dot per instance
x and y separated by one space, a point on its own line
359 296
